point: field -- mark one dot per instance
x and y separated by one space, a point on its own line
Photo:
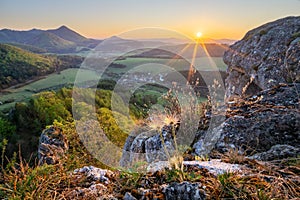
51 82
67 77
203 63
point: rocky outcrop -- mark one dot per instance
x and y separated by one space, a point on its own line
252 125
265 57
148 146
52 146
262 95
259 124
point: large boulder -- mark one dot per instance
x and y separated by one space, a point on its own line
266 56
52 146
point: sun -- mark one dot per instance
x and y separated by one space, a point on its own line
199 34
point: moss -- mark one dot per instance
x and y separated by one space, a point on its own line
296 35
293 37
263 32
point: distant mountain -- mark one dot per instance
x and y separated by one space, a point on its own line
51 42
218 41
18 66
65 40
117 45
12 36
174 41
68 34
61 40
185 50
226 41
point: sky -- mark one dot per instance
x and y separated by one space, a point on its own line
103 18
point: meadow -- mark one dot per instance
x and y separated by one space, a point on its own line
51 82
203 63
68 76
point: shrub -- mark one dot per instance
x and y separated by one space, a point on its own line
6 130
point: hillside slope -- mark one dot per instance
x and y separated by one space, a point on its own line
19 66
68 34
51 42
60 40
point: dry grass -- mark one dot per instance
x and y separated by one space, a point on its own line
258 181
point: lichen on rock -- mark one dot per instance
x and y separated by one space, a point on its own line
266 56
52 146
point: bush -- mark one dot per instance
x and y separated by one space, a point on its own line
6 130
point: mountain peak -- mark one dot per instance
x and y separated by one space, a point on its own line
63 27
115 38
68 34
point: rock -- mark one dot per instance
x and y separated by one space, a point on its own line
266 56
277 152
128 196
52 146
126 154
96 183
155 149
261 131
256 124
158 166
95 191
134 148
183 191
214 166
147 146
95 174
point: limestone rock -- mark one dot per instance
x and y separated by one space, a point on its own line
95 174
214 166
52 146
266 56
147 146
256 124
184 191
95 191
96 185
277 152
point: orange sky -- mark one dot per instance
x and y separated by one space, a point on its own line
103 18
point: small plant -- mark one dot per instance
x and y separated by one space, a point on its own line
234 156
3 144
139 166
130 179
202 158
261 194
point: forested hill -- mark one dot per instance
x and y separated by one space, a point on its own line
18 66
60 40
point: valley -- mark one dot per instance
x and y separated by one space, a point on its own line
67 77
147 115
